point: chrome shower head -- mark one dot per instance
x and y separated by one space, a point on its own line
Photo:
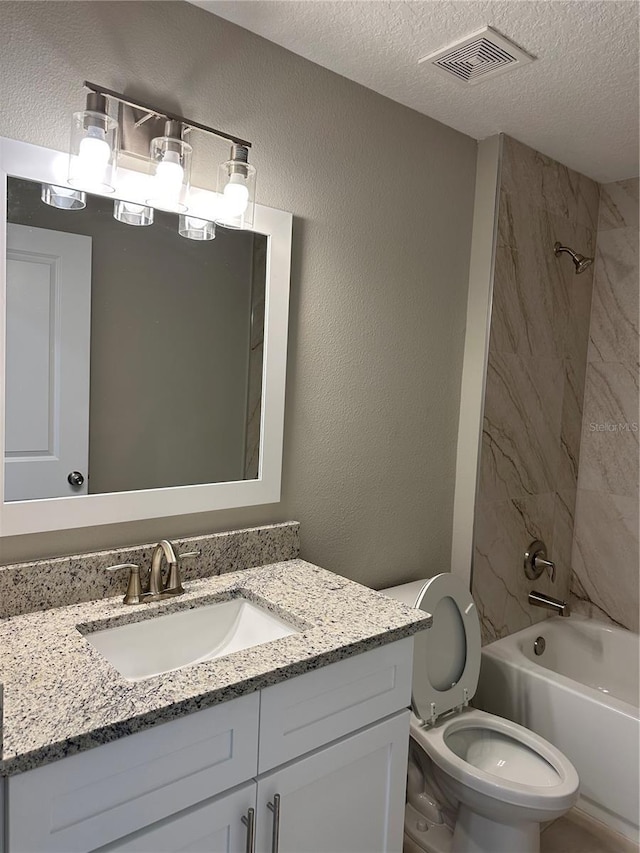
581 261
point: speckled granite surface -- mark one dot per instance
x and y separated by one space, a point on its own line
25 587
60 696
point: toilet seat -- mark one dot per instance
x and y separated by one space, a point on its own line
532 749
449 652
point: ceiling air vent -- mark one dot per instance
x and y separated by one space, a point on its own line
481 55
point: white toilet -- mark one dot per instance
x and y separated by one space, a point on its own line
476 783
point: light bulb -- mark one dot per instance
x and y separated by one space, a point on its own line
130 213
236 189
194 228
66 194
64 198
236 196
93 157
93 147
94 151
169 175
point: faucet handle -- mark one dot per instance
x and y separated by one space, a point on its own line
535 561
174 581
548 565
133 595
187 554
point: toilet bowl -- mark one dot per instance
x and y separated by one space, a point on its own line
477 783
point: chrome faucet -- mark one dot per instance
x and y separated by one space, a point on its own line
157 587
173 585
535 563
539 599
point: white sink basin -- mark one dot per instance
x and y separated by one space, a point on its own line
160 644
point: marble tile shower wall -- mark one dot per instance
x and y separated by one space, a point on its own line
534 387
605 547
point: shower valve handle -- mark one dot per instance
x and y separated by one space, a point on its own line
548 565
535 561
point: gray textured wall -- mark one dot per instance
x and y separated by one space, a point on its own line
383 203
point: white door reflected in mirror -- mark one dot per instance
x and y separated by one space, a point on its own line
47 364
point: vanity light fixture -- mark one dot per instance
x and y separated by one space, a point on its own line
93 166
93 147
64 198
130 213
196 229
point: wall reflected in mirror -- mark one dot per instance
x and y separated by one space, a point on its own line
134 355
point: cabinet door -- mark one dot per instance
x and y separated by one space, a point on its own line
345 798
214 827
95 797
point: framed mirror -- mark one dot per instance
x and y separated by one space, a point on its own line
144 372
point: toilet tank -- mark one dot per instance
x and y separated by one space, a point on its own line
407 593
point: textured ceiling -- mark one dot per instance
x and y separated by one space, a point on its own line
577 103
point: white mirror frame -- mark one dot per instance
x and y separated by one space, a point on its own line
22 160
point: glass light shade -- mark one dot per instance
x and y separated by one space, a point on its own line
196 229
93 151
64 198
171 164
131 213
237 188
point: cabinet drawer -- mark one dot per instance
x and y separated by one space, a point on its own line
313 709
95 797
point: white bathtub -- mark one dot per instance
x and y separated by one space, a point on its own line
581 694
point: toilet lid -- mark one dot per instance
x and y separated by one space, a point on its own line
446 662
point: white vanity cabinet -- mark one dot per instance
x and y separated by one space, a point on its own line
346 798
320 758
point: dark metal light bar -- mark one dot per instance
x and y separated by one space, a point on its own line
118 96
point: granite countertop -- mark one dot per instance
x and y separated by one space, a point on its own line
60 696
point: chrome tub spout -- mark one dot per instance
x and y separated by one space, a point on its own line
539 599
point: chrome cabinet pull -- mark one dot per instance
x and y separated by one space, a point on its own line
275 836
249 820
